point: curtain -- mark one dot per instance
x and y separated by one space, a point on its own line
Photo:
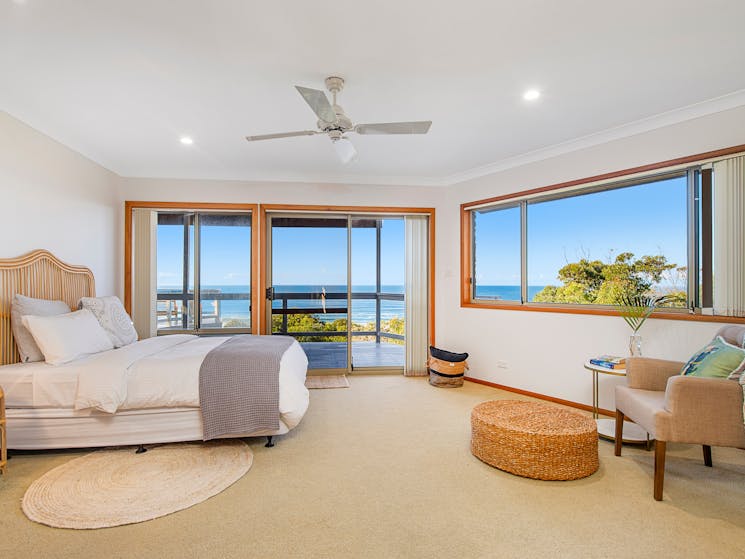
144 270
416 295
729 237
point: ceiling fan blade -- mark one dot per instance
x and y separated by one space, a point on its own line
345 150
417 127
281 135
318 102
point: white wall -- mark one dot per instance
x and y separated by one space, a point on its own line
545 351
54 198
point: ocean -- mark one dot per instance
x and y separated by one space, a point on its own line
363 310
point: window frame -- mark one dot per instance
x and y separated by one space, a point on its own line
691 165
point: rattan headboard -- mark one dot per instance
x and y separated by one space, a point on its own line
38 274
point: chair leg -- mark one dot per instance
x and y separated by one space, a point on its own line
619 431
707 455
659 469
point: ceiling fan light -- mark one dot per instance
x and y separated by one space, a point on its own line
345 150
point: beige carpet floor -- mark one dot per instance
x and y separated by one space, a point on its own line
383 469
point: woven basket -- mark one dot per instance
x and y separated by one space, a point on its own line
534 440
446 374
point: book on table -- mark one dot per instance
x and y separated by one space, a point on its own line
609 361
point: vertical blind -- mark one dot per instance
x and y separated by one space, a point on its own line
417 295
729 236
144 271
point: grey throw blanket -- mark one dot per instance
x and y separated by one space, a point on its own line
239 385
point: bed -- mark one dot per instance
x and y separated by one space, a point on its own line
160 402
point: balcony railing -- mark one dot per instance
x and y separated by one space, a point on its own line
171 305
171 314
285 310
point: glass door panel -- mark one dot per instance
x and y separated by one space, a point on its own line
309 286
225 270
377 293
175 271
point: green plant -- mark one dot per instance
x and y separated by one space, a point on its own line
635 308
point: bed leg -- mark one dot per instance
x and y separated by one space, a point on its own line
140 449
269 443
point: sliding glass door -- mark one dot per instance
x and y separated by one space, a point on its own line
203 263
377 286
335 283
308 279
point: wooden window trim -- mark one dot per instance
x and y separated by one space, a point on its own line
466 249
130 205
430 212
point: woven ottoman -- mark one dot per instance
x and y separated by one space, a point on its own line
534 440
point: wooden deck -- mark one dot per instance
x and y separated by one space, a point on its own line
333 355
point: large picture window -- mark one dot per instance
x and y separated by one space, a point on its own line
588 244
593 248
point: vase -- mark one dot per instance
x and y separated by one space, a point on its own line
635 345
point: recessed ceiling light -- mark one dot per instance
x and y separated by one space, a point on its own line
531 95
186 140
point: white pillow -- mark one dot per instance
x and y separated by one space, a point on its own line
23 306
112 317
66 337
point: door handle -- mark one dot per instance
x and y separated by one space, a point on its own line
270 293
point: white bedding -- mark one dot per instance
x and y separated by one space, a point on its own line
160 372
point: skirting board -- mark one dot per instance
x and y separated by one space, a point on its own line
569 403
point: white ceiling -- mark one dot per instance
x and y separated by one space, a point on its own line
120 81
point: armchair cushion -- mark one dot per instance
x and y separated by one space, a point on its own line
717 359
641 406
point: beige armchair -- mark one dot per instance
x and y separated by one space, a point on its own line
674 408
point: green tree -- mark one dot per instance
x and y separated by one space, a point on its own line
595 282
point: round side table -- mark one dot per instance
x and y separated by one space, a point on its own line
632 433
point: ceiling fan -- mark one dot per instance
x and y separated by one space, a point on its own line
335 124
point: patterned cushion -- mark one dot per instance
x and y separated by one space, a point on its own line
717 359
112 317
23 306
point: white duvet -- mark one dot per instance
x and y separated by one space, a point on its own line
160 372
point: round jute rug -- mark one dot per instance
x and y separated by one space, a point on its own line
114 487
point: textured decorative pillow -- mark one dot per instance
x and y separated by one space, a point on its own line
66 337
23 305
717 359
112 317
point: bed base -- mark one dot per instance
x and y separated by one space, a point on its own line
38 429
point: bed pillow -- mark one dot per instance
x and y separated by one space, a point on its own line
717 359
66 337
23 305
112 317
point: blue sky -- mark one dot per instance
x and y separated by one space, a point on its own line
225 255
647 219
316 256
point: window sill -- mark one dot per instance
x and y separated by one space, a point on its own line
534 307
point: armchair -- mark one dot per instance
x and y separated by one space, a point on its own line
674 408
